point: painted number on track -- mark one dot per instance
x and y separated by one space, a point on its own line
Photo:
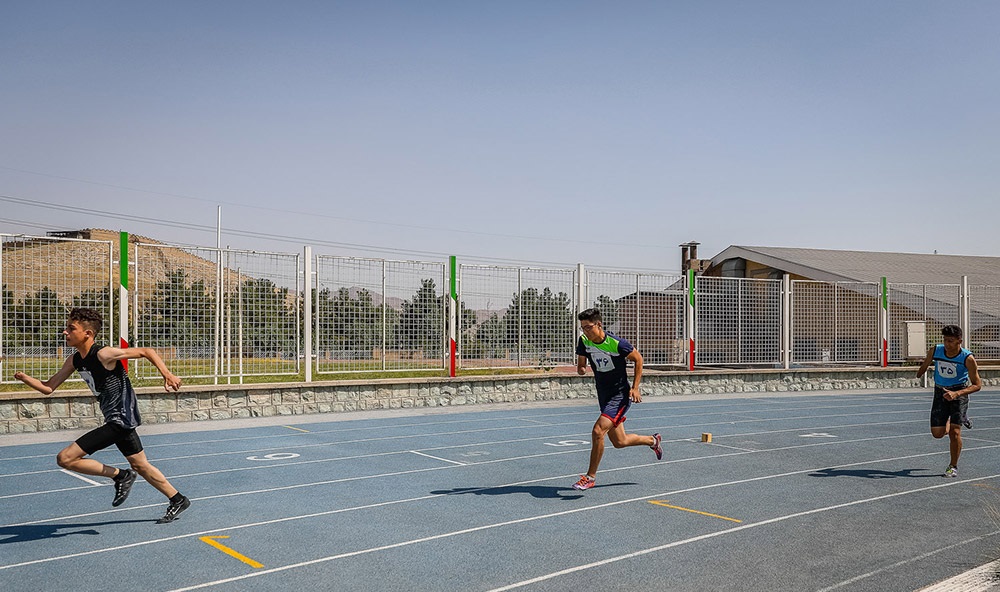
274 456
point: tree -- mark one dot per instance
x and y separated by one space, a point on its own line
542 322
7 314
347 324
39 320
267 316
99 300
609 310
484 340
178 315
421 322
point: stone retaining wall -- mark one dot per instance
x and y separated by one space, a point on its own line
73 410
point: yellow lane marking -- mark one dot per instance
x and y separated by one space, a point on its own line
210 540
297 429
666 505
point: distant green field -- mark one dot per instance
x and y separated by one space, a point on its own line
256 371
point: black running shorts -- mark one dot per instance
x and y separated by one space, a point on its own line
111 433
942 410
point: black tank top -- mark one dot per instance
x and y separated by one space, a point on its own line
111 387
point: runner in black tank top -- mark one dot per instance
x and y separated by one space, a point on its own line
101 368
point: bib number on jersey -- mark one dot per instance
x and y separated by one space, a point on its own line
602 361
947 369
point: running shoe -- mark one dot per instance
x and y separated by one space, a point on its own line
123 486
951 472
174 510
585 482
967 422
656 446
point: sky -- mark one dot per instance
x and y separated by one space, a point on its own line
538 133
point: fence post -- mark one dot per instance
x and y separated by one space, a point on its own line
786 321
884 322
123 293
963 308
689 324
453 316
307 317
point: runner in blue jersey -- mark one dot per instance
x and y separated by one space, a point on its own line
607 355
101 368
956 376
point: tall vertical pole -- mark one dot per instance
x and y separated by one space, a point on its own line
690 329
581 302
786 321
520 316
307 288
217 361
884 316
385 333
638 304
965 318
123 293
453 316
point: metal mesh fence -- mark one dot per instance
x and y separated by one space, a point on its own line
376 315
217 313
41 279
984 322
228 314
936 305
646 309
738 321
835 322
516 316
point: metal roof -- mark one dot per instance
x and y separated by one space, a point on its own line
866 266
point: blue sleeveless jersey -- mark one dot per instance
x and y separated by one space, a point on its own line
950 371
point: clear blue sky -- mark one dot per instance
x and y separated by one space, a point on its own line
604 133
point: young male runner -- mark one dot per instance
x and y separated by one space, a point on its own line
956 376
102 370
607 355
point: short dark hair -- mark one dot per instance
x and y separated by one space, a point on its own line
951 331
88 317
591 314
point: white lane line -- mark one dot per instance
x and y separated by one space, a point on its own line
725 446
454 462
588 413
81 477
563 436
328 460
567 512
335 459
393 502
711 535
906 561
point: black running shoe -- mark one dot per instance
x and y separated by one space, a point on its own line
123 486
174 510
967 422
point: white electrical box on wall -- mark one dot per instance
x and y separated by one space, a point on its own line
915 339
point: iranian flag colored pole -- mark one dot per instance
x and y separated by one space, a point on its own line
123 294
453 314
690 318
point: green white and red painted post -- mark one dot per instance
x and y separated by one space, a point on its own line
453 316
689 316
123 293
